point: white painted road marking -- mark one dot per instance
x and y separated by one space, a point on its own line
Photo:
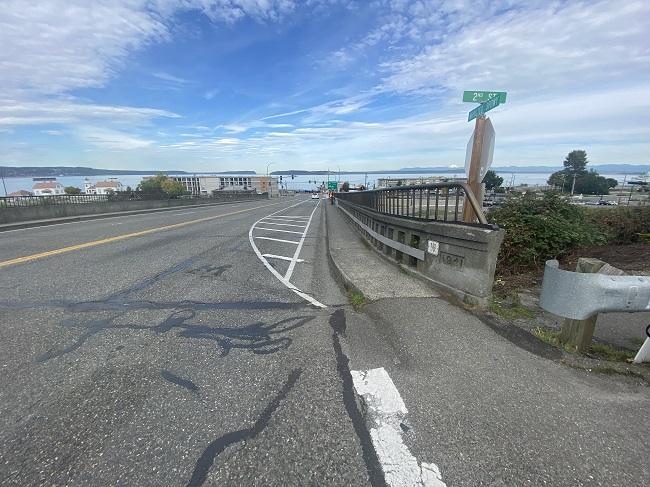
279 240
284 224
281 257
387 410
271 269
278 230
292 265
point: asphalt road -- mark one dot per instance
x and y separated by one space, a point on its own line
213 346
172 357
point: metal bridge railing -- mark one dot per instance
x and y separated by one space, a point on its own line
429 202
67 199
64 199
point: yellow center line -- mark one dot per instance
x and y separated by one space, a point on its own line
117 238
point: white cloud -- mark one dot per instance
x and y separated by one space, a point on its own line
112 139
69 111
556 47
210 94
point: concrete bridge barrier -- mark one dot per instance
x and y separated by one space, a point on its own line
20 209
456 257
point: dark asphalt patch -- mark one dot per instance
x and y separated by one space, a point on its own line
175 379
338 324
210 270
206 460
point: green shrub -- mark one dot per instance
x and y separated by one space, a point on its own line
622 225
541 227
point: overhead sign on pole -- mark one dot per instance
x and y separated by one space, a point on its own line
484 108
483 96
487 150
332 185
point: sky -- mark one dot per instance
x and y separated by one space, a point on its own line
227 85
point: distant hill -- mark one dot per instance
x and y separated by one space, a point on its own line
601 168
54 171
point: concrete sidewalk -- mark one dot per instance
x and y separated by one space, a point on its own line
484 410
361 269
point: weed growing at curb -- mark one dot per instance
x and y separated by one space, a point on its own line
597 350
357 300
513 312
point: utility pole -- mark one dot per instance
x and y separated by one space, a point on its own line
573 186
474 176
3 183
620 193
268 180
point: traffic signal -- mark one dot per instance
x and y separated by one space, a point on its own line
292 176
280 178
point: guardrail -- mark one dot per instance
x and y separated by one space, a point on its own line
427 202
68 199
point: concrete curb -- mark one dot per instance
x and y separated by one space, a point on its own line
5 227
339 273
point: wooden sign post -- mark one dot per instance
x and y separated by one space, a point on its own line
482 150
474 173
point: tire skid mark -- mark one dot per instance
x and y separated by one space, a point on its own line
338 324
212 451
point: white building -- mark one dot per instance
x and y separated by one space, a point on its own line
205 185
47 187
112 185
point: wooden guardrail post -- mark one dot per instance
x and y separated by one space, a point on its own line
578 333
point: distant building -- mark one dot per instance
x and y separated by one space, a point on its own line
390 182
47 187
21 192
112 185
205 185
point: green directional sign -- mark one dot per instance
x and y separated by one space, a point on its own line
332 185
483 96
484 108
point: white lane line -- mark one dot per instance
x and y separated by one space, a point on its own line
292 265
281 257
268 220
278 230
387 410
283 224
293 218
272 270
279 240
287 217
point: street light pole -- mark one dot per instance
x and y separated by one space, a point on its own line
3 183
268 179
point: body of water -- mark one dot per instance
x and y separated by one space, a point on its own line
301 182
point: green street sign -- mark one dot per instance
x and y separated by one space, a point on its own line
483 96
484 108
332 185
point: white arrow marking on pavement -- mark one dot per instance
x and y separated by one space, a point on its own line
387 410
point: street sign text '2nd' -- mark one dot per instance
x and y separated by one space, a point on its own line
483 96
